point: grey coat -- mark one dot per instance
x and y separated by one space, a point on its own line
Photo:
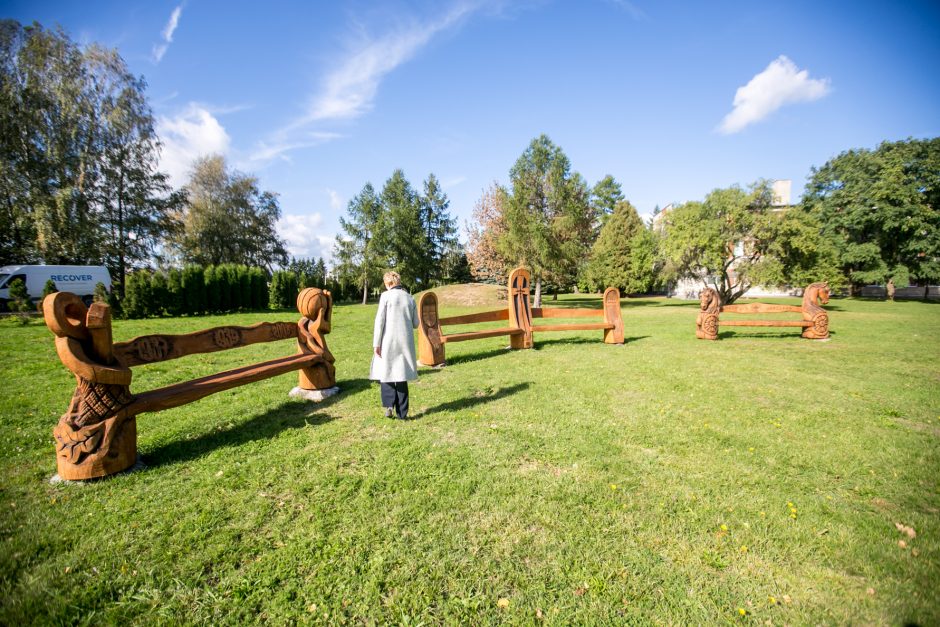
395 322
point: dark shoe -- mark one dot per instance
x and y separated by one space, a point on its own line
389 412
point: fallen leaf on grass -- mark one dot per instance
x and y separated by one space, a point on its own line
538 613
907 530
902 544
870 592
503 603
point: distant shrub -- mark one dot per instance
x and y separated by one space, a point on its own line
284 289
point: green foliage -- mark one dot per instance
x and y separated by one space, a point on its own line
624 255
736 239
20 300
174 300
549 221
138 296
228 219
213 289
79 165
159 294
284 290
360 250
605 196
881 208
194 290
259 288
441 249
48 288
101 293
403 238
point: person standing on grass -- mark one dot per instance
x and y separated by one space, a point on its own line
394 363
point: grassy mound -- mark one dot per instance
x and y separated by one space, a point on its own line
469 295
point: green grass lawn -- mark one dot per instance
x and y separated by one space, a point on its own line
573 483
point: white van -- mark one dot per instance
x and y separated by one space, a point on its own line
80 280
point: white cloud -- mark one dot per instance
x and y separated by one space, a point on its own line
453 182
348 91
160 49
336 201
187 136
782 83
266 151
305 237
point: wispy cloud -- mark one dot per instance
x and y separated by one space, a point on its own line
630 7
160 49
350 89
268 150
453 182
780 84
192 133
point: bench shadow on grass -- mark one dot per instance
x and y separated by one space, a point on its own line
479 398
287 415
778 335
537 345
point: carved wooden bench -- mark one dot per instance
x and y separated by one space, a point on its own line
97 436
814 322
518 314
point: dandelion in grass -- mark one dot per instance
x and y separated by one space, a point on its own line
772 600
503 603
724 527
742 611
743 548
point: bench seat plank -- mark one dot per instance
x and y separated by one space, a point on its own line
555 312
765 323
483 316
479 335
189 391
754 308
587 326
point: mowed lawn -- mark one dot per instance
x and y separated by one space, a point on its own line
760 478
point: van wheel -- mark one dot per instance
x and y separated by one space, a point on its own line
88 300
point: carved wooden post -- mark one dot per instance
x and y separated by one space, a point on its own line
520 314
613 316
430 344
706 324
97 436
812 312
316 308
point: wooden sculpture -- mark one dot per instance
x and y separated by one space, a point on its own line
518 313
97 436
815 322
520 316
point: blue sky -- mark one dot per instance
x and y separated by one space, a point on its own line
673 99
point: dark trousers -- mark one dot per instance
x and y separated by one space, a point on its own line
395 395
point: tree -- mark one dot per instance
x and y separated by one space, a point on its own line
624 254
403 236
439 230
488 226
605 196
882 209
228 219
79 181
549 218
134 200
735 239
358 251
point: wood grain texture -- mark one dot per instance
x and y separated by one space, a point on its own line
483 316
149 349
582 326
97 435
520 313
479 335
430 337
815 319
613 316
558 312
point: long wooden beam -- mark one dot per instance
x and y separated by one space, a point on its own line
556 312
588 326
148 349
479 335
766 323
189 391
753 308
483 316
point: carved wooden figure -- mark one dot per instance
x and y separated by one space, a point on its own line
815 322
520 316
518 313
97 436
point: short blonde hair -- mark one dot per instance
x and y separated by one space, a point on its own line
391 278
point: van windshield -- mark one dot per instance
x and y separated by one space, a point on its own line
3 279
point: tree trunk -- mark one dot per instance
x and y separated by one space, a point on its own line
890 289
365 291
537 303
927 290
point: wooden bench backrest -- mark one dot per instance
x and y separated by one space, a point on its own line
814 322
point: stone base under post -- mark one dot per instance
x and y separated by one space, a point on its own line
313 395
